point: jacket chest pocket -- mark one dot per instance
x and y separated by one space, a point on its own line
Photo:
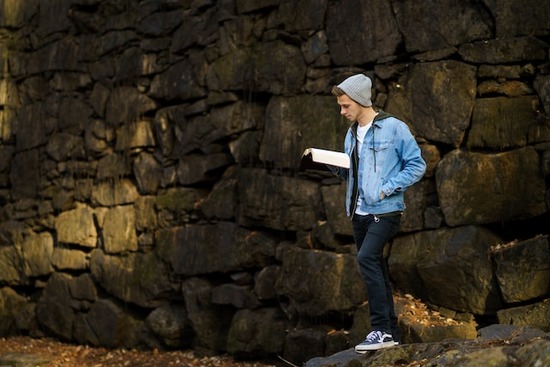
380 149
381 145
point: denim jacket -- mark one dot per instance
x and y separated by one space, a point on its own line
389 162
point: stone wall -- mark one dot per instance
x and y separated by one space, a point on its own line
149 188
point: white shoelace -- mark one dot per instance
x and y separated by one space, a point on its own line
373 335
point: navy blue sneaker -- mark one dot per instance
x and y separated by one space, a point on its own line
374 341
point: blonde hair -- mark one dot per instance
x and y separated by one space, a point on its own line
337 91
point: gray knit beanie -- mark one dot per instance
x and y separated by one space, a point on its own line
358 87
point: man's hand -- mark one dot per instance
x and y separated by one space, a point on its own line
382 195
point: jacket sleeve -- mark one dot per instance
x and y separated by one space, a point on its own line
413 165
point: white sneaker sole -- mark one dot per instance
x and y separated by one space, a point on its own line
368 348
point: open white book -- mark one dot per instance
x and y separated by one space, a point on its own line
315 158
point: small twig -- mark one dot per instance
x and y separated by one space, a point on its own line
288 362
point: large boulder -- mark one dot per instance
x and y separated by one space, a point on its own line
16 14
504 50
353 25
293 124
318 282
11 305
168 326
114 192
505 12
240 296
334 198
174 206
473 189
73 114
420 199
11 263
119 230
54 310
304 344
502 123
275 67
24 176
83 289
180 81
109 325
62 54
12 233
148 173
198 168
536 315
210 323
69 259
448 87
456 23
77 227
134 135
306 15
126 105
217 248
521 269
137 278
277 202
31 126
221 202
448 267
258 333
37 252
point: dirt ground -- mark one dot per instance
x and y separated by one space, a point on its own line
26 351
47 352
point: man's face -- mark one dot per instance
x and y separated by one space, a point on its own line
349 108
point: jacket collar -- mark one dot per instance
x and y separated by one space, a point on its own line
375 122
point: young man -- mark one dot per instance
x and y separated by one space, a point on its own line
385 160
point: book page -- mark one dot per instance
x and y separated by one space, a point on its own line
318 157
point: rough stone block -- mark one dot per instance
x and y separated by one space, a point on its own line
473 188
77 227
198 249
448 267
137 278
522 269
536 315
257 332
502 123
277 202
317 282
425 90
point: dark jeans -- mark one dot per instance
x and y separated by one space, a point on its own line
371 235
